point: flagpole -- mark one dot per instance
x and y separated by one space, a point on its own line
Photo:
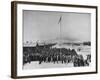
60 35
59 22
60 30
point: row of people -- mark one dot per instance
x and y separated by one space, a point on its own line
55 55
54 58
77 60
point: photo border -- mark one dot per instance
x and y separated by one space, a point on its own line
14 37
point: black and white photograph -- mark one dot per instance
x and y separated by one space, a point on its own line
53 39
56 39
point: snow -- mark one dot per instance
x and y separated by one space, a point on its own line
36 65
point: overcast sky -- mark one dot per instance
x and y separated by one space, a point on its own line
41 25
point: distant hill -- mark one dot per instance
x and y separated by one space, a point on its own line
55 41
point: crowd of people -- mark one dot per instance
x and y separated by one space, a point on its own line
54 55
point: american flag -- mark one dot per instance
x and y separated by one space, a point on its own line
59 20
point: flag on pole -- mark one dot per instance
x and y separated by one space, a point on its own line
59 20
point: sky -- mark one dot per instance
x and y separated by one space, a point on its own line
45 26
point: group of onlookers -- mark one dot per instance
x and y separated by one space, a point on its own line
55 55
